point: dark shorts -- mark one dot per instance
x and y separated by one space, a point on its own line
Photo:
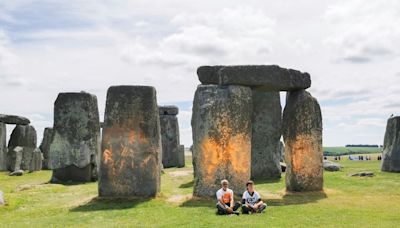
222 210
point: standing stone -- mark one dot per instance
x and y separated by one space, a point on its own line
391 149
282 151
36 162
169 136
45 145
76 138
3 147
221 125
302 132
131 144
23 136
2 202
266 124
181 156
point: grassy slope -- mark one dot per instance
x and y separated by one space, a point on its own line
347 201
336 151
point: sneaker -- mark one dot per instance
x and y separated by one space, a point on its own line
262 208
236 213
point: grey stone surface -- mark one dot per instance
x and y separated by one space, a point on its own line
76 133
12 119
362 174
302 132
221 125
3 147
391 146
266 134
282 150
2 202
73 173
45 146
265 77
131 143
36 161
168 110
331 166
23 136
181 156
18 172
170 140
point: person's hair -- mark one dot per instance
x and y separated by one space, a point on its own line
224 181
249 183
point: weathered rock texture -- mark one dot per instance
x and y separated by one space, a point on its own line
266 125
45 146
221 125
282 151
265 77
24 137
131 144
168 110
302 132
76 135
11 119
181 156
169 136
3 147
391 146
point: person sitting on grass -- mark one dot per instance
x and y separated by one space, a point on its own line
226 205
251 200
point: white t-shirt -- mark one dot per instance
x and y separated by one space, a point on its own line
226 196
251 199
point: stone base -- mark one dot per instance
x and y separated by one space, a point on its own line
74 174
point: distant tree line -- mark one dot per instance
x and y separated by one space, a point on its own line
362 145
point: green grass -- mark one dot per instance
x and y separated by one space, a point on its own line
337 151
345 202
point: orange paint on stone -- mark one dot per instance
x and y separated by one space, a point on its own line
304 159
107 156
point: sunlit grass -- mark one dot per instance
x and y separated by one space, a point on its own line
347 201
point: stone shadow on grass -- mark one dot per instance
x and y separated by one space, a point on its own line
99 204
187 185
198 202
291 198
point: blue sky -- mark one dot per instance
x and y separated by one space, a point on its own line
350 48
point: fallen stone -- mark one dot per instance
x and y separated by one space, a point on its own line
362 174
131 143
302 133
23 136
45 146
3 147
168 110
266 134
76 134
11 119
170 140
17 173
391 146
265 77
181 156
331 166
221 125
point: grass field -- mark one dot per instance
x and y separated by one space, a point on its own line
345 202
336 151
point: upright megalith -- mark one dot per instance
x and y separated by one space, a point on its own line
391 146
75 140
131 143
302 133
221 125
3 147
24 137
181 156
45 146
169 135
266 127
